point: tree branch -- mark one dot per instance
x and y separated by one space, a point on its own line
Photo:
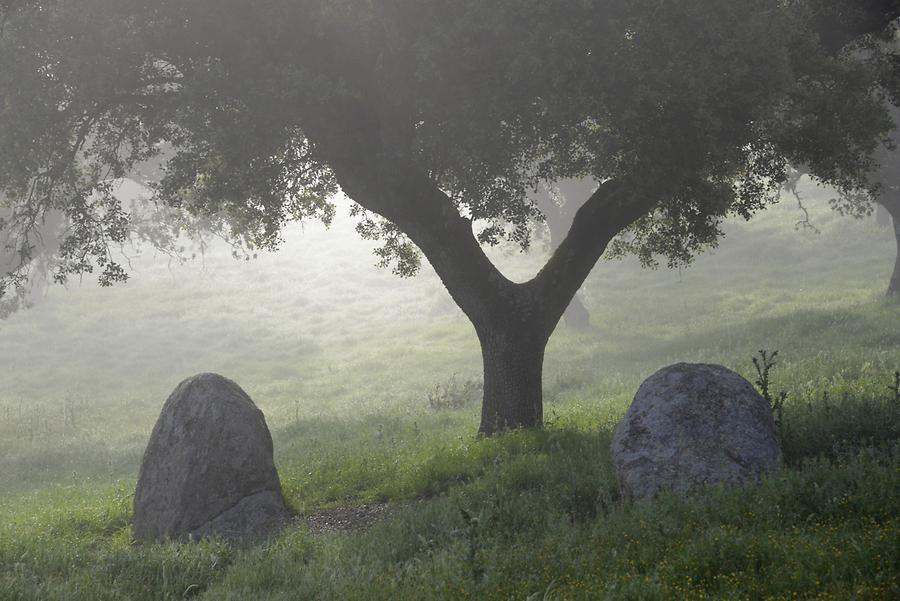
349 137
611 208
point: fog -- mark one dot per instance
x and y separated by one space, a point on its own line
322 291
223 377
317 331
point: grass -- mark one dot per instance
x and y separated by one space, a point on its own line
346 361
543 515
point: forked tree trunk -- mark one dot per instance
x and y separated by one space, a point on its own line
513 356
513 321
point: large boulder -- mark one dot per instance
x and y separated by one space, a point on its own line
208 468
691 425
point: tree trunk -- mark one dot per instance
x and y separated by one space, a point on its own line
893 290
513 355
891 203
577 317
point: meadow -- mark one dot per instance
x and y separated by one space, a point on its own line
369 384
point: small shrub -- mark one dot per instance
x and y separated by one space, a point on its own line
831 427
765 363
455 393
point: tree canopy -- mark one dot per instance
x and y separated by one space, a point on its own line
438 119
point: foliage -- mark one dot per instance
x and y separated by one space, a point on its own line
833 428
437 120
699 105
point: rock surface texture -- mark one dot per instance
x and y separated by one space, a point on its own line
208 469
691 425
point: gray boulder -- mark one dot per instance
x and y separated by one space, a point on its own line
691 425
208 469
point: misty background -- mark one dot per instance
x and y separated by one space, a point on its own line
316 333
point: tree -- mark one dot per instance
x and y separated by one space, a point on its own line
887 195
558 204
884 178
33 268
846 24
884 194
886 200
438 119
890 200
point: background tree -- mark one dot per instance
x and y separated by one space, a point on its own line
887 195
890 200
883 195
842 23
884 201
558 204
437 119
33 264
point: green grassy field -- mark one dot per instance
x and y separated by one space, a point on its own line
343 358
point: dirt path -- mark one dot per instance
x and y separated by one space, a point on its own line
345 519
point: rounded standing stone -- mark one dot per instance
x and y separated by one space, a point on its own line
208 470
692 425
